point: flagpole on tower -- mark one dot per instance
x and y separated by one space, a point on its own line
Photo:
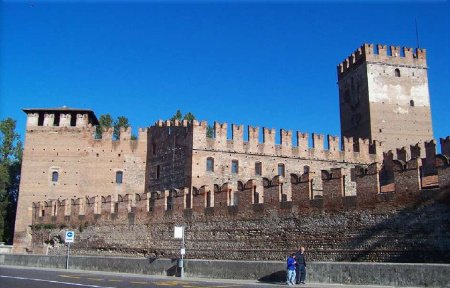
417 33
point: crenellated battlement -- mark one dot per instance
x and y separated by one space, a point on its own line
297 147
325 147
124 136
266 193
69 119
392 55
60 117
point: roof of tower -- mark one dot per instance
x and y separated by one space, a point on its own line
64 109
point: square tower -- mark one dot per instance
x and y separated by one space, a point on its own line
383 95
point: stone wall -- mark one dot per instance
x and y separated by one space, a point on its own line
407 225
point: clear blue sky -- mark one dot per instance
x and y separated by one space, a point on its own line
261 63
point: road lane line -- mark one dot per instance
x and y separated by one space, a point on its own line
69 276
135 282
168 283
114 280
56 282
95 279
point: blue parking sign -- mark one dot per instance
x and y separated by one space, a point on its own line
70 235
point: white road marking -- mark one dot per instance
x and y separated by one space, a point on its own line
57 282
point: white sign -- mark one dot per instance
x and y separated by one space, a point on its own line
70 235
178 232
183 251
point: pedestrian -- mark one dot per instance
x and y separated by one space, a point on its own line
300 266
291 270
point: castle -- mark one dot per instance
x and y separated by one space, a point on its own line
237 194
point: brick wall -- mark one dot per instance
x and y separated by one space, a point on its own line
397 227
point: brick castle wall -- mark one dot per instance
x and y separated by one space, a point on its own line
407 224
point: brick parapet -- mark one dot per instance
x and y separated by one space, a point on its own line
366 152
216 201
392 55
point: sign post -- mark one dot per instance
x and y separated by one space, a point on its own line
179 234
70 235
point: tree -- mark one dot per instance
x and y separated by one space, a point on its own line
11 147
10 165
4 200
105 122
210 131
120 122
189 117
177 116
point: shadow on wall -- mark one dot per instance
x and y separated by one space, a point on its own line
275 278
172 270
415 234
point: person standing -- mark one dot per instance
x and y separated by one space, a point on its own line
300 266
291 270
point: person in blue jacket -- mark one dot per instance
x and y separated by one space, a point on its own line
291 270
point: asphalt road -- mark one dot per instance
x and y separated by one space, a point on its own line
22 277
27 277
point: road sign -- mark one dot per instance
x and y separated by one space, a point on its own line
70 235
178 232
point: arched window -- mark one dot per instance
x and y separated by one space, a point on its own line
397 72
411 103
55 176
119 177
210 164
281 170
306 169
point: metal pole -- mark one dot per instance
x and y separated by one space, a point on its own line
67 259
182 257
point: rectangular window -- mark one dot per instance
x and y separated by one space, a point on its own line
234 167
255 196
281 169
119 176
188 200
158 172
170 202
151 204
210 164
208 199
258 168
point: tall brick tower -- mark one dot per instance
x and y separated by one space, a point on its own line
62 160
52 147
383 95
